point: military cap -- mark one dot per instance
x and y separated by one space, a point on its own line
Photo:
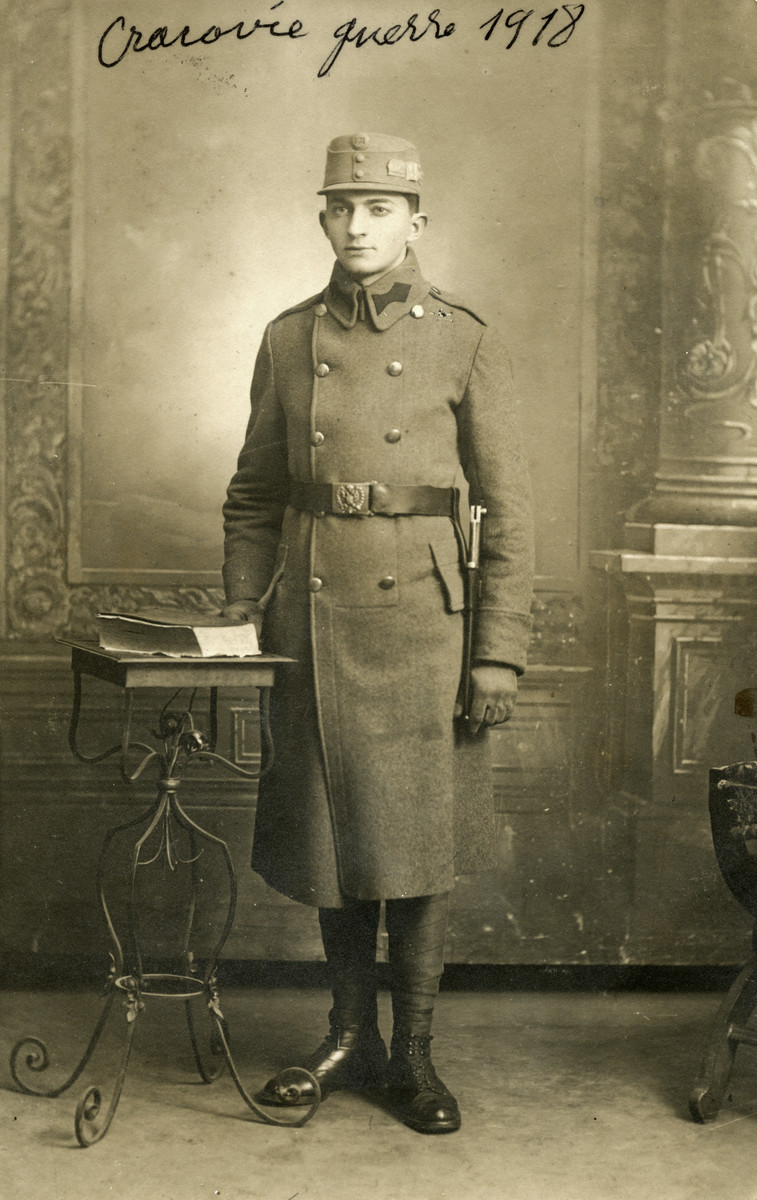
370 161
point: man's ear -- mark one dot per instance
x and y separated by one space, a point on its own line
322 220
418 223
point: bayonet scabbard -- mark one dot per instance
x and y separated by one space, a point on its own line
472 598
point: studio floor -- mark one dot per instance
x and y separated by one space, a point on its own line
564 1095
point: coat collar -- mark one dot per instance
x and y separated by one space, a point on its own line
386 300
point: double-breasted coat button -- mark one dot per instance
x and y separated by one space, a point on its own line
315 584
322 369
395 368
387 582
317 438
393 435
417 311
320 310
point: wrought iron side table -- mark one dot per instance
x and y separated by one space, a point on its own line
167 839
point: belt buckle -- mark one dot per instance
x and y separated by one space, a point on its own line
352 499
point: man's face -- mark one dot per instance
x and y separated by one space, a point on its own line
369 231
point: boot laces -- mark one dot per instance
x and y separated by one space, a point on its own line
415 1053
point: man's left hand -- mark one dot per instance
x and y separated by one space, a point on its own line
494 690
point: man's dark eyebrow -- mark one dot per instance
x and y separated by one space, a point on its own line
369 198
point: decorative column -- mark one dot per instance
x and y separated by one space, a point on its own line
707 477
687 580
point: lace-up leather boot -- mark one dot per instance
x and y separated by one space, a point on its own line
424 1102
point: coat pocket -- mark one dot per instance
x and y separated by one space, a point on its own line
446 556
278 571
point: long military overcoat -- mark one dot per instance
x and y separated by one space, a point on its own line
375 790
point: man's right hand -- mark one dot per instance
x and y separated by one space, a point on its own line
245 612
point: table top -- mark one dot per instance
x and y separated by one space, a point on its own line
130 670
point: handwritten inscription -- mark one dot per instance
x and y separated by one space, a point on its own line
517 19
384 37
112 48
552 29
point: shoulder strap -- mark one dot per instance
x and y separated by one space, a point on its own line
455 302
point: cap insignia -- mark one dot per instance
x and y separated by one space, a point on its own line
404 170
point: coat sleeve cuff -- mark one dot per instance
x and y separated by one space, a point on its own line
502 637
241 581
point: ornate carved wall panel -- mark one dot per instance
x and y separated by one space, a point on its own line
37 325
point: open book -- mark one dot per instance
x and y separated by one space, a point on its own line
176 633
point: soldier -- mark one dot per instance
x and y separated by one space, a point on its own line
344 547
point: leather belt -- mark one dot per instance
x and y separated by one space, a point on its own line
372 499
